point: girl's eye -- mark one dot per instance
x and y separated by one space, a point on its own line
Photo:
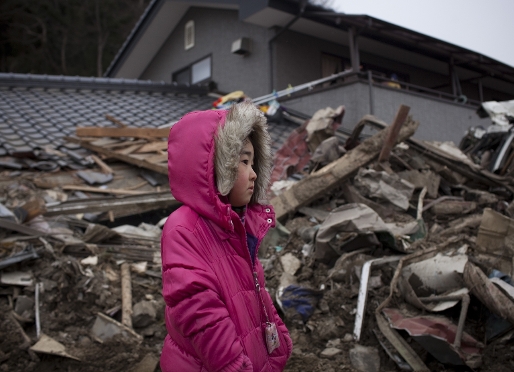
245 162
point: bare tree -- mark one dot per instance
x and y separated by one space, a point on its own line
102 37
64 37
328 4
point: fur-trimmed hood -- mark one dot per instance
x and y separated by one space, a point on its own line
203 157
242 121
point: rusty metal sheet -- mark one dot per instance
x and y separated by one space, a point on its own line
436 335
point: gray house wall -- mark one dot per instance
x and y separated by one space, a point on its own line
439 120
215 30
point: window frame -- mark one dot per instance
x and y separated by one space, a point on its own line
190 69
189 30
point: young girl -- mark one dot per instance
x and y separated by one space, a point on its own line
219 316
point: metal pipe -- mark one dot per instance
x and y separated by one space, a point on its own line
36 305
287 91
480 90
370 84
354 51
363 292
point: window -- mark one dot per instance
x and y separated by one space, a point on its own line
182 77
189 35
331 64
197 72
201 70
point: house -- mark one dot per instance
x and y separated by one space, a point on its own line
261 46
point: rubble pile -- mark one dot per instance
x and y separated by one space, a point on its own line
390 254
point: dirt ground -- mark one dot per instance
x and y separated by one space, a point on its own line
71 300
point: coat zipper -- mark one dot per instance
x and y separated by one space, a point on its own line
259 296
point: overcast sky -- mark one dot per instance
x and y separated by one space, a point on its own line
483 26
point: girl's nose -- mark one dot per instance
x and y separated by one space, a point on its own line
253 175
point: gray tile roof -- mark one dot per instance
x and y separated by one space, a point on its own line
38 111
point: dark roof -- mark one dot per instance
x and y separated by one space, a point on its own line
416 42
38 111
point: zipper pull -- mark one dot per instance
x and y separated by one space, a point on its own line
257 285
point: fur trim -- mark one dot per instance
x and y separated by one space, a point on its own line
243 120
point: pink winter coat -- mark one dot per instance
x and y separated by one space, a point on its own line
214 314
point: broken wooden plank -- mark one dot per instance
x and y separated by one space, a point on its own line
161 159
116 143
370 120
129 149
102 204
123 132
14 226
126 295
158 158
104 142
319 183
105 168
159 168
137 186
468 170
103 191
154 146
115 121
392 132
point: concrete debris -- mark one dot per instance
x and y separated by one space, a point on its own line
330 352
144 313
365 359
381 185
390 253
147 364
105 328
17 278
48 345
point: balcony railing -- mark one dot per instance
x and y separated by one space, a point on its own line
412 88
349 76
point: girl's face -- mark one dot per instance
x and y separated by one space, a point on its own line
242 191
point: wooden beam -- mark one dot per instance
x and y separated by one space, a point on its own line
123 132
159 168
126 295
105 168
115 121
392 132
103 191
319 183
142 202
154 146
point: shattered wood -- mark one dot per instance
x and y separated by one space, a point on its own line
323 181
127 151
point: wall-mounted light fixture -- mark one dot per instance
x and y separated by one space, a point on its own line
241 46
